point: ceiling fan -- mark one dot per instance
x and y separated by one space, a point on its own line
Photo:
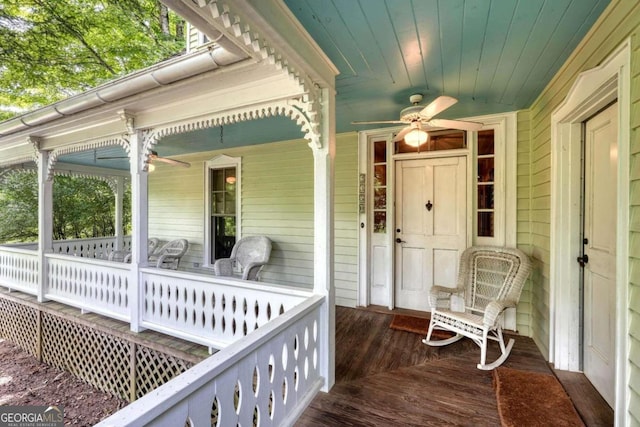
420 119
154 157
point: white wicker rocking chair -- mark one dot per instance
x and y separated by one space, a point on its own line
490 279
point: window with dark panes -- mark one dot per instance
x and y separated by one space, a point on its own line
223 211
380 187
486 184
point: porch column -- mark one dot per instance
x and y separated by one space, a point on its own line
323 235
119 243
45 221
139 221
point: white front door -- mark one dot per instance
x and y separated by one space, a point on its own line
430 229
601 150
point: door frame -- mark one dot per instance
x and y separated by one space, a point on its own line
505 126
592 90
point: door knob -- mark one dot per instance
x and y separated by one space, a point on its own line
429 205
582 260
399 240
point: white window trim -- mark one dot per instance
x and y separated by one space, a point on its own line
505 166
220 162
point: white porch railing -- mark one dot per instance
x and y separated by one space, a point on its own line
89 284
19 269
266 378
97 247
268 368
210 310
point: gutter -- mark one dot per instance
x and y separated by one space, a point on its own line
161 74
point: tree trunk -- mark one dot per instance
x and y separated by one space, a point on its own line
164 18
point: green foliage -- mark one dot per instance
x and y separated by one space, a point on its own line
18 208
52 49
82 208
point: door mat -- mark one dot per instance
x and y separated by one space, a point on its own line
532 399
417 325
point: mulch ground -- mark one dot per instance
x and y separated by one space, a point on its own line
25 381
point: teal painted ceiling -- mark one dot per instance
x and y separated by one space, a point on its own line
492 55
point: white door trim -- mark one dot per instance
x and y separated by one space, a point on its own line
592 90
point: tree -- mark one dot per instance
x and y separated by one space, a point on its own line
82 208
52 49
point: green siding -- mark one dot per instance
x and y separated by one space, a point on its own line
346 219
277 201
618 22
523 219
634 226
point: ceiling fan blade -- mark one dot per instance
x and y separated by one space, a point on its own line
168 161
400 136
112 158
456 124
437 106
377 121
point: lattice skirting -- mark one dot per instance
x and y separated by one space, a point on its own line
110 363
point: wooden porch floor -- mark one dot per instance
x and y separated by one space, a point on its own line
386 377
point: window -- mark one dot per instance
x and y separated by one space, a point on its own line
223 207
486 183
447 139
380 186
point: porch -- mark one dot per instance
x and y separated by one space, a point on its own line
386 377
129 329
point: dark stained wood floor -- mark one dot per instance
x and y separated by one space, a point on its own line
386 377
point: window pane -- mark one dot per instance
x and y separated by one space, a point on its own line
217 203
485 170
380 198
224 236
379 222
379 152
485 196
448 139
217 179
485 142
230 203
380 175
485 224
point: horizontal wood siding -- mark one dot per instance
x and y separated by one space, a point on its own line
346 219
277 201
618 22
176 208
523 221
634 229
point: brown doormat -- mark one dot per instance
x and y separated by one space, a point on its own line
532 399
417 325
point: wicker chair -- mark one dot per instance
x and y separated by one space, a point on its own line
490 280
169 254
249 255
125 256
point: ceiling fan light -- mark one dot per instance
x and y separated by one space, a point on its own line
416 137
151 167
